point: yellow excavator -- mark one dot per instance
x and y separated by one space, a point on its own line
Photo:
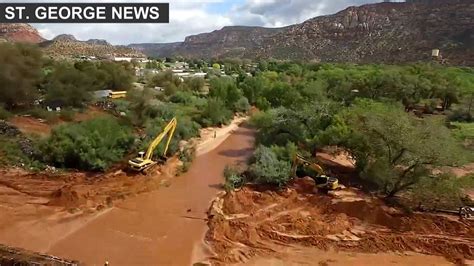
305 167
145 160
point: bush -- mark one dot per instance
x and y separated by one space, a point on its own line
268 169
215 113
460 116
67 115
186 156
10 152
20 72
122 106
441 192
41 113
233 178
182 97
4 114
89 145
242 105
68 85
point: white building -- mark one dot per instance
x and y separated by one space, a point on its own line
129 59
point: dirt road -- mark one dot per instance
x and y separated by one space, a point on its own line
164 227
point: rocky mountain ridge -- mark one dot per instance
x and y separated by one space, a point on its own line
64 45
68 46
374 33
19 32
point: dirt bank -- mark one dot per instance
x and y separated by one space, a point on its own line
210 138
251 224
30 125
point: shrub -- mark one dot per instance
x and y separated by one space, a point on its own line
89 145
215 113
122 106
186 156
460 116
233 178
182 97
67 115
18 151
10 152
441 192
268 169
41 113
20 72
4 114
242 105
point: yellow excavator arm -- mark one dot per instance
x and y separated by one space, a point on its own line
170 128
298 160
322 181
144 160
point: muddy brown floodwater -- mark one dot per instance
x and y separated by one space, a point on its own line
164 227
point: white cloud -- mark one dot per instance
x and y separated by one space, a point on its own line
278 13
186 18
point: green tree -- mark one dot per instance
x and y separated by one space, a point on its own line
68 85
242 105
215 113
226 90
118 76
20 73
392 148
441 192
252 88
268 169
195 84
90 145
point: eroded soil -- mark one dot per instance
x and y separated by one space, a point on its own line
255 225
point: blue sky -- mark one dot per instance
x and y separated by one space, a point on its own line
188 17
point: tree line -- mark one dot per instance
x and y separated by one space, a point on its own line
26 76
366 110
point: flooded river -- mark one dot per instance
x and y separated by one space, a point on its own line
164 227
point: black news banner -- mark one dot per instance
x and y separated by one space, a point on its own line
84 13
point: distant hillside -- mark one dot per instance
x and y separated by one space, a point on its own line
19 32
231 41
156 49
66 45
381 33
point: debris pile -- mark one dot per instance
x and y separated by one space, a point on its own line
8 130
16 256
106 105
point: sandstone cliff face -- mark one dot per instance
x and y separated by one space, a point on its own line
66 45
229 41
19 32
232 41
375 33
156 49
385 32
